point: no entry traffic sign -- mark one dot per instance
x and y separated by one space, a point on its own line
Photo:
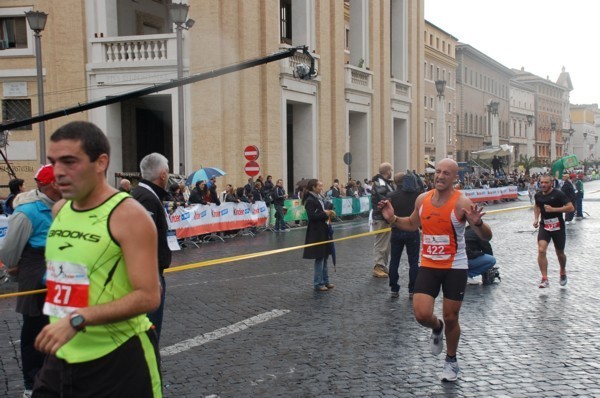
252 168
251 152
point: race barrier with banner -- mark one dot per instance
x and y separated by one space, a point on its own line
294 211
490 194
351 206
205 219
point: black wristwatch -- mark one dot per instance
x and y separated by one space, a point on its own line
77 322
479 224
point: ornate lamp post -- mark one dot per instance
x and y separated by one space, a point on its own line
441 150
37 23
552 141
530 137
178 13
493 118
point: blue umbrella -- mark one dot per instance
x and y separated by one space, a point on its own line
204 174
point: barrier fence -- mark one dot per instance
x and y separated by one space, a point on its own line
206 219
490 194
294 211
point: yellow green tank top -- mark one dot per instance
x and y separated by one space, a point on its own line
86 268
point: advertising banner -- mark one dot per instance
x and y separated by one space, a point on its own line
205 219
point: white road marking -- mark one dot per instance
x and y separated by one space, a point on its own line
217 334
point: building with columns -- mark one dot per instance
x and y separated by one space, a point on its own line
549 114
63 75
368 56
439 65
522 120
585 132
482 97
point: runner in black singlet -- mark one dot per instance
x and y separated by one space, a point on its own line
550 204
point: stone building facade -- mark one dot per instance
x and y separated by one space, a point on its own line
368 56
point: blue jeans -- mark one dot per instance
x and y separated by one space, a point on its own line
156 317
479 265
279 223
412 241
321 276
579 205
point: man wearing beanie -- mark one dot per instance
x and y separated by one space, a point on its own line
22 250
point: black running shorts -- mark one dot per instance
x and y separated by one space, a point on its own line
558 237
131 370
452 282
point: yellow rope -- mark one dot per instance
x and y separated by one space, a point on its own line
256 255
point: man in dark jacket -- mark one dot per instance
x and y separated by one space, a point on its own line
569 190
278 194
382 186
403 200
150 192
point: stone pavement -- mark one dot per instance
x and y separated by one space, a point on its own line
261 331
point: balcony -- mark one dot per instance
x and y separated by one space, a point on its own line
358 78
401 91
134 51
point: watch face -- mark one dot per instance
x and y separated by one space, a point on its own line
77 321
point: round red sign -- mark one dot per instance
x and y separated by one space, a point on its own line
251 152
252 168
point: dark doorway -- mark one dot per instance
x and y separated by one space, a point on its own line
147 127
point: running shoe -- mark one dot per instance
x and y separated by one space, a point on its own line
563 280
544 284
450 372
437 340
395 295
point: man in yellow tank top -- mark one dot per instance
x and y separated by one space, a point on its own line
441 213
101 257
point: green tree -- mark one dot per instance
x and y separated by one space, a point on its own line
528 162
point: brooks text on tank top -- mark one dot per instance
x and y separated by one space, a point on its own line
85 268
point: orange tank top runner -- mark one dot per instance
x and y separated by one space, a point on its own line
443 241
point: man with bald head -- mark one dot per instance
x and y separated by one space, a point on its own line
441 213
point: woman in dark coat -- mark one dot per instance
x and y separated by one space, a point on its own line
317 231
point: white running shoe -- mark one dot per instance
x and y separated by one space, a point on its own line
563 280
450 372
437 340
476 280
544 284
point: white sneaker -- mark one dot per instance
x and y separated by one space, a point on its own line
437 340
476 280
450 372
27 393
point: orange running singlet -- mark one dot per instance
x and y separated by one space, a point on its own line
443 241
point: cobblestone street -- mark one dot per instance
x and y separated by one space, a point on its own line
256 328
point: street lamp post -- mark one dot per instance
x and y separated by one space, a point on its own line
441 150
37 23
178 13
570 147
493 112
530 137
552 141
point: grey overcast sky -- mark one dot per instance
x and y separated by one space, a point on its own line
540 35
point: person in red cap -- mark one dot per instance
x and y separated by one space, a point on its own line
22 250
